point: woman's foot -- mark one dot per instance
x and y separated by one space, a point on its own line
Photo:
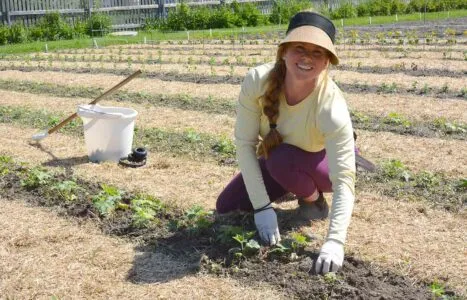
313 208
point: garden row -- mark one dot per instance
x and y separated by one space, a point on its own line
359 82
206 242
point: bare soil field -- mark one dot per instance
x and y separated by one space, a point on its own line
75 229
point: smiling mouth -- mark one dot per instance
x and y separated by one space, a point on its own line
304 67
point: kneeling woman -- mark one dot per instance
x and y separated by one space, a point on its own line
293 117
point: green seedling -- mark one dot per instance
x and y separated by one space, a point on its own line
5 164
462 185
145 208
224 146
226 232
195 220
395 169
248 246
437 289
67 190
394 118
387 88
191 135
107 200
330 278
449 127
426 179
299 241
359 117
36 177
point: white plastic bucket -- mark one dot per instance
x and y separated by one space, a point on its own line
108 131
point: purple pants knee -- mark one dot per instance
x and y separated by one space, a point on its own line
288 169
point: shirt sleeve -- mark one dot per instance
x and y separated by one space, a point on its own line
246 138
337 129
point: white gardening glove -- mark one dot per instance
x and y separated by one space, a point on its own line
331 257
266 223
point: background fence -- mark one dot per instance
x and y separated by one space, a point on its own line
125 14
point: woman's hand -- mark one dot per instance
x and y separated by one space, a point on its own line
331 257
266 223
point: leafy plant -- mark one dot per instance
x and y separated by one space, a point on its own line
437 289
426 179
330 277
449 127
145 208
224 146
5 163
359 117
395 169
36 177
196 219
396 119
106 201
226 232
67 189
248 246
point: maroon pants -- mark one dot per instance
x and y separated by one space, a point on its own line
288 169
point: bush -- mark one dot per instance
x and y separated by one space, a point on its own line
346 10
17 33
283 10
3 34
98 24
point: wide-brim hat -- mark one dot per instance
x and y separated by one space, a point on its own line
313 28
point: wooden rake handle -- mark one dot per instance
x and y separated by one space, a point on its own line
107 93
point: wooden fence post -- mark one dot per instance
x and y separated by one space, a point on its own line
6 12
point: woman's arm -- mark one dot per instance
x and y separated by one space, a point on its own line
246 137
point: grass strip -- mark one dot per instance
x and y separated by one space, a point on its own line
393 122
197 146
238 61
355 88
394 180
200 240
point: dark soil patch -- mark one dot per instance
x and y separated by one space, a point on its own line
236 80
204 249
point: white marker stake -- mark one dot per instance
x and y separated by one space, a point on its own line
188 35
370 20
342 22
397 18
145 40
95 43
210 32
46 48
420 15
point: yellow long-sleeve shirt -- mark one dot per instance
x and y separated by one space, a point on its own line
320 121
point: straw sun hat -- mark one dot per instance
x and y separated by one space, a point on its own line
310 27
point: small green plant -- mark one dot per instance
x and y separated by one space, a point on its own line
107 200
387 88
425 90
145 208
226 232
224 146
449 127
359 117
5 164
330 278
299 241
67 190
395 169
195 220
191 135
248 246
426 180
35 177
462 185
396 119
437 289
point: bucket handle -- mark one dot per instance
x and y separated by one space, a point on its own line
89 113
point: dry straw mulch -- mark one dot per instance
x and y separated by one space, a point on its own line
44 255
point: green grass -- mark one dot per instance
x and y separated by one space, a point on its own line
377 20
235 33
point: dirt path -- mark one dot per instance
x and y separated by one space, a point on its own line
407 105
44 255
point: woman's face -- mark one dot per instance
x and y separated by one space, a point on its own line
305 61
